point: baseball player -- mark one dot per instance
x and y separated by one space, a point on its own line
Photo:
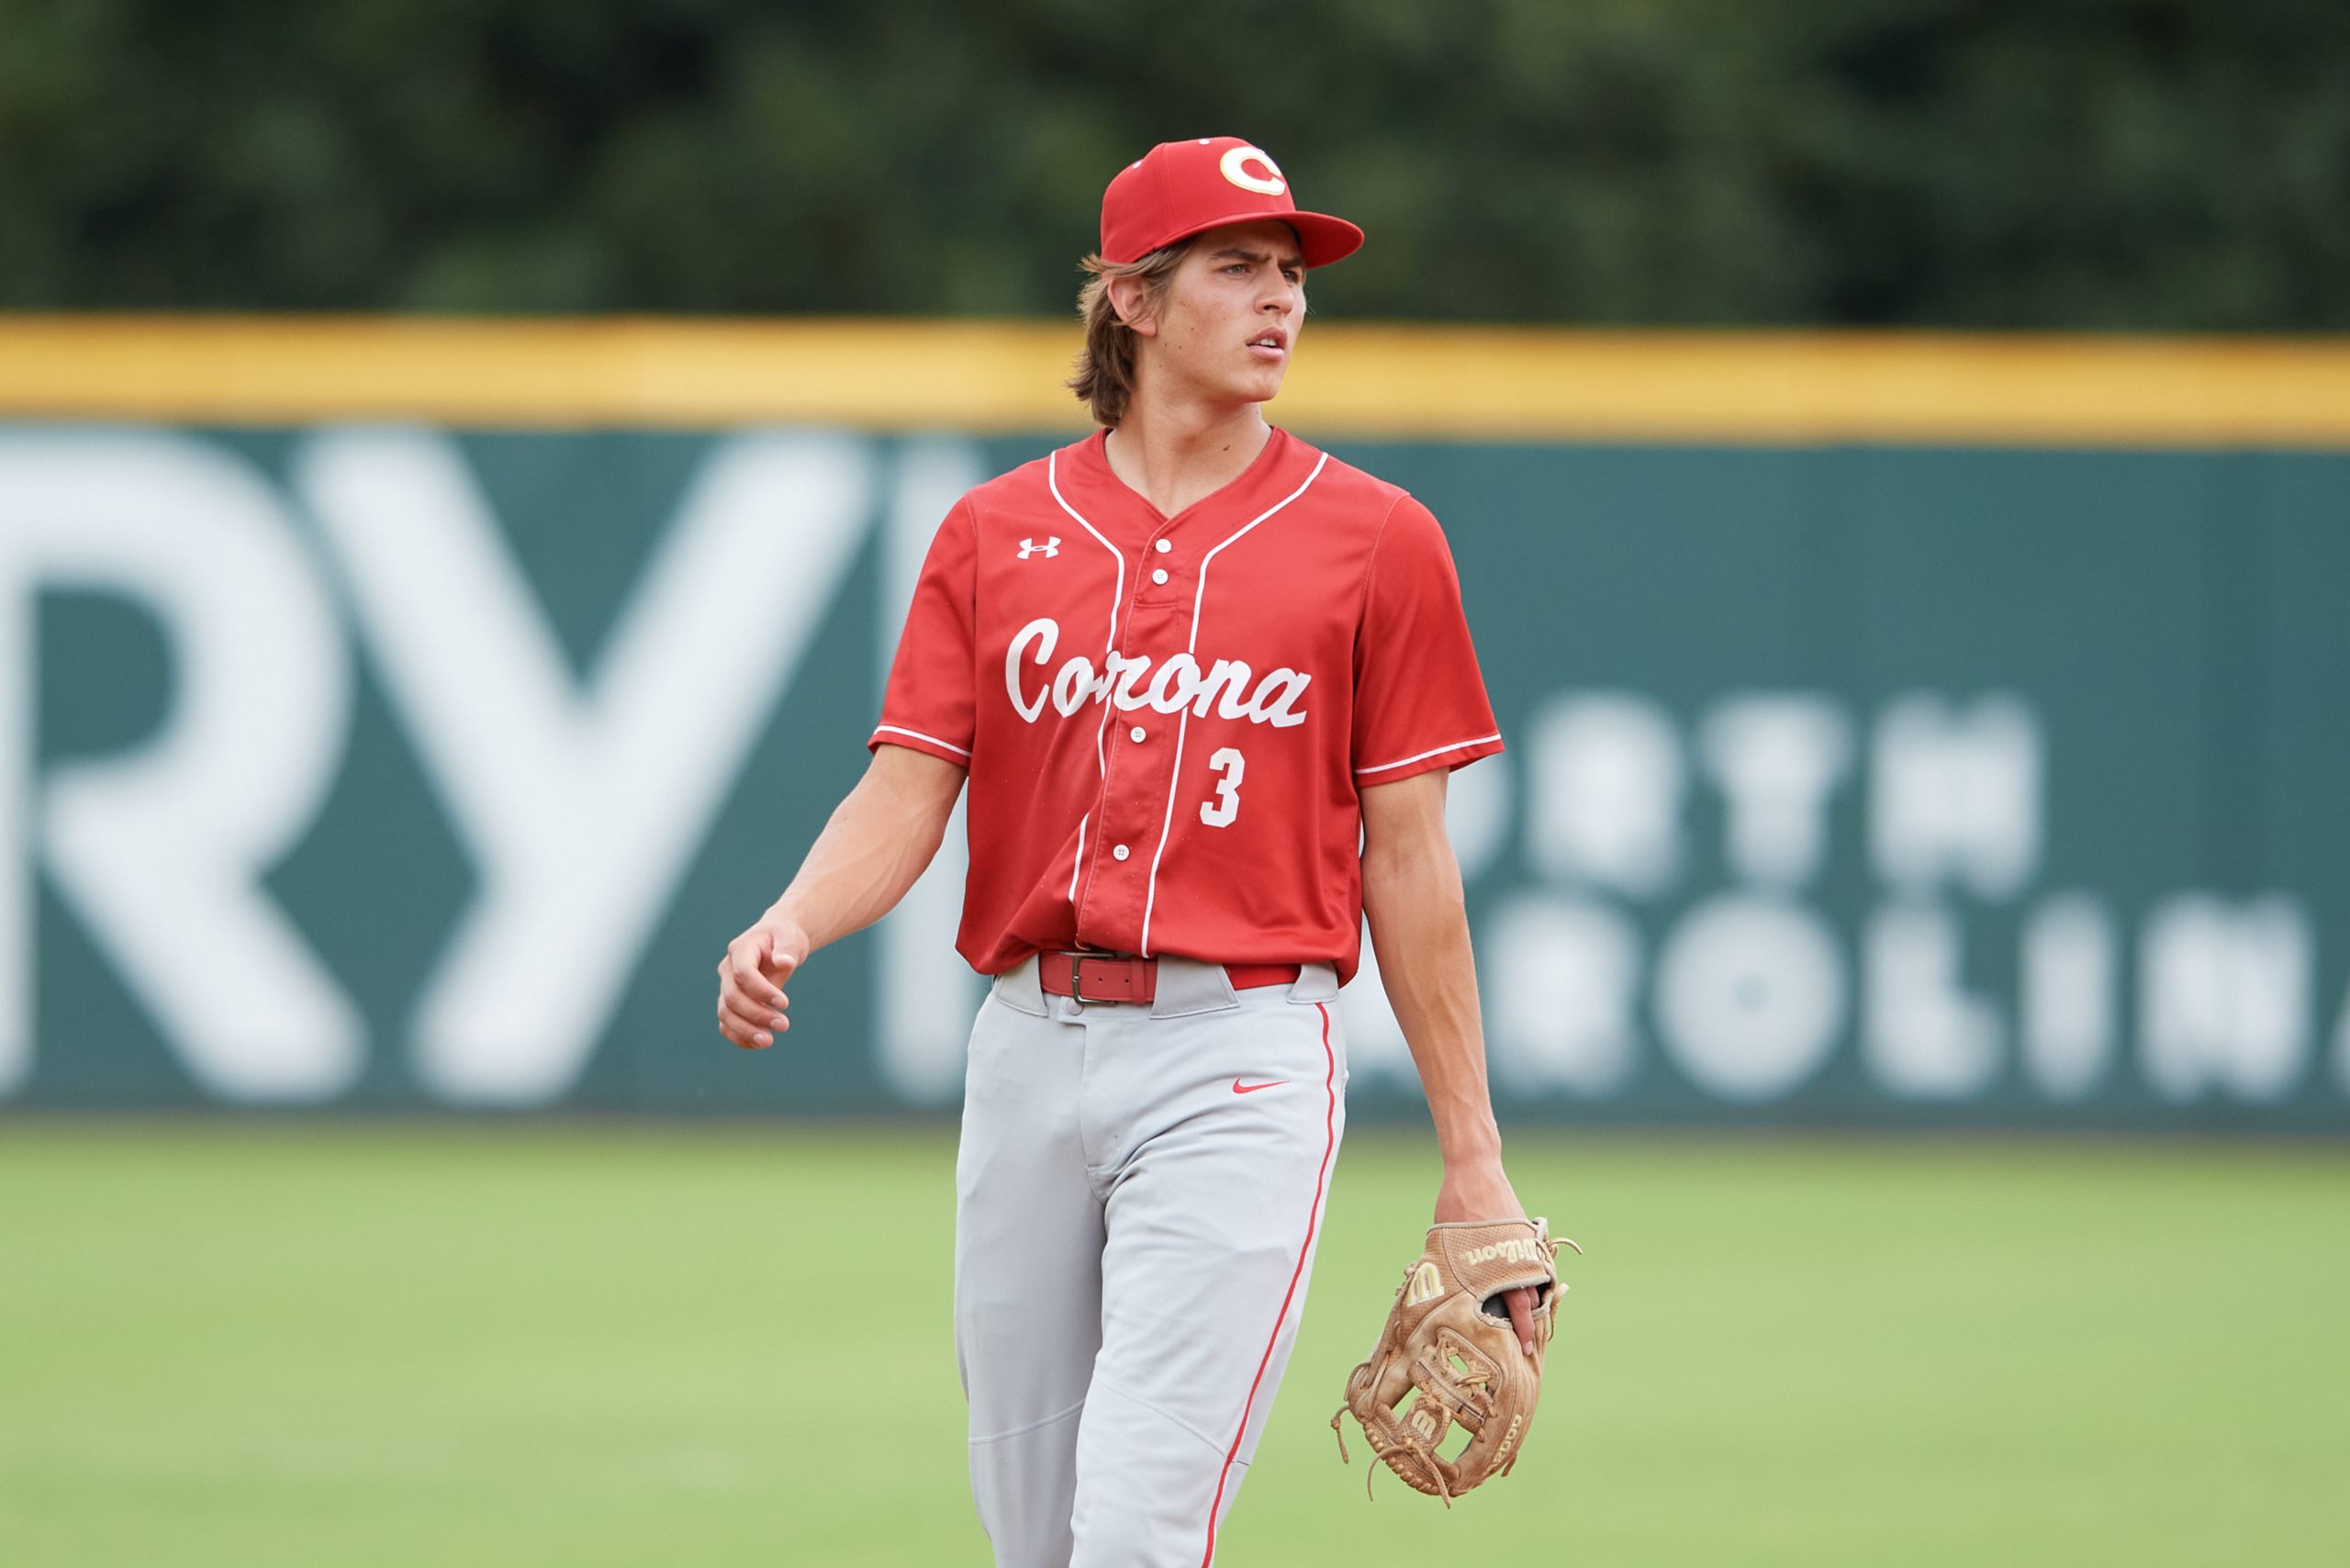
1204 684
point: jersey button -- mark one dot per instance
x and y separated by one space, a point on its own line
1120 853
1163 546
1136 733
1158 576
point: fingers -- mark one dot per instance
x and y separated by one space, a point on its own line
740 1037
751 1027
1521 1317
750 1005
747 956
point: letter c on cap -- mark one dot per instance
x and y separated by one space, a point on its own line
1233 166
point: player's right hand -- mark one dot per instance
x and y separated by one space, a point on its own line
751 1001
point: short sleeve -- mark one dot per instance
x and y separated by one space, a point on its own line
1420 700
930 704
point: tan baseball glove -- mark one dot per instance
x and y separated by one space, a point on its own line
1449 1347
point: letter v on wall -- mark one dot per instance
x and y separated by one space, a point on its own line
580 808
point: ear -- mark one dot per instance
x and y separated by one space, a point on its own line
1129 297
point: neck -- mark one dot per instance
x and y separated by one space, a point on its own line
1174 453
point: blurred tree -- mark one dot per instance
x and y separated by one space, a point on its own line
2089 163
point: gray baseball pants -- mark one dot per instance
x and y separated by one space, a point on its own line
1139 1190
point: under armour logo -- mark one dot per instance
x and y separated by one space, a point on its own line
1051 546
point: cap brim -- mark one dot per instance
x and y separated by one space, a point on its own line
1321 239
1324 239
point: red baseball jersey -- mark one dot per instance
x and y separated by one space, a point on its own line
1166 720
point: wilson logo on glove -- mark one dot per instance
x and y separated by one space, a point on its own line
1424 1286
1516 1251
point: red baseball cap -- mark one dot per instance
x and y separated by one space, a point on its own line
1181 188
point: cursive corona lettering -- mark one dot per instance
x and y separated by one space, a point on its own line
1130 685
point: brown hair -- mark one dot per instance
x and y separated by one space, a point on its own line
1104 379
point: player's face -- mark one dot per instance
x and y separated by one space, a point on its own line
1232 312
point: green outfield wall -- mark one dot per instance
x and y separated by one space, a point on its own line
423 761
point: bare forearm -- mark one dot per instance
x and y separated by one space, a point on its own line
876 846
1411 891
1419 929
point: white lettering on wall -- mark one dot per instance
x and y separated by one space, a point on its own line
1749 995
581 807
2224 997
580 800
161 850
1923 1037
1954 794
1778 759
1563 977
2067 995
1604 795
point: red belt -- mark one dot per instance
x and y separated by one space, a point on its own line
1113 977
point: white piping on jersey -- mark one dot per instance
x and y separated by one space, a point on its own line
1117 600
1423 757
1184 724
894 730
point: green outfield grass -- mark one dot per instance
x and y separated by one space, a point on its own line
387 1344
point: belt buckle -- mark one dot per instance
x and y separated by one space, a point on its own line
1076 980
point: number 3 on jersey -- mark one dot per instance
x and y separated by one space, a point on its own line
1220 812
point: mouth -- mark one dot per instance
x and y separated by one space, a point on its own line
1272 345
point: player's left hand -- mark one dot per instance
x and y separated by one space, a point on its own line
1481 1190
